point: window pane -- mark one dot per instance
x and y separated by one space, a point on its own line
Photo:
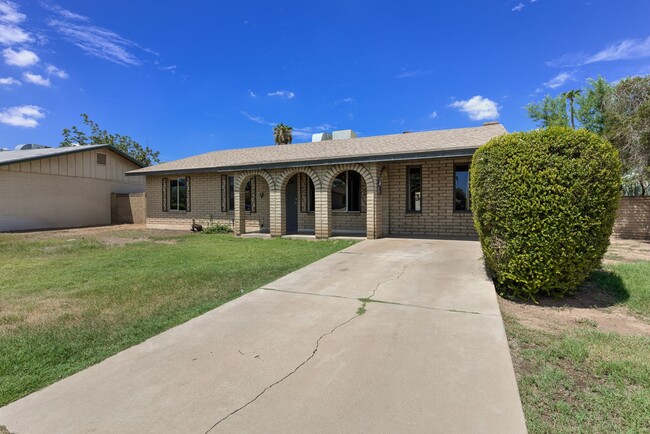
461 188
231 193
247 196
173 194
182 195
339 192
414 187
312 196
354 191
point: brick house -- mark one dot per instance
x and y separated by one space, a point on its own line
401 184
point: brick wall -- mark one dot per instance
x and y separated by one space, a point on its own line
128 208
633 219
437 217
205 200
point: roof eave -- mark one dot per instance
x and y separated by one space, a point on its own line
444 153
77 149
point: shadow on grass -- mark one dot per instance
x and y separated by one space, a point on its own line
603 288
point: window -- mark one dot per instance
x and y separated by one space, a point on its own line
346 192
231 193
311 195
461 188
101 159
414 189
177 195
249 193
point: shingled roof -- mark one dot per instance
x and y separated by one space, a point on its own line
14 157
427 144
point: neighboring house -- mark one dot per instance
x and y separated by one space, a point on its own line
63 187
402 184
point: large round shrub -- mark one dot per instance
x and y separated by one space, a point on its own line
544 204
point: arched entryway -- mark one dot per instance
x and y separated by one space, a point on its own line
252 197
298 201
348 203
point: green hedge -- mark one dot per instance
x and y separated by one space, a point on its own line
544 203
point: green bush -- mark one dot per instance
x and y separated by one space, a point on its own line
217 228
544 203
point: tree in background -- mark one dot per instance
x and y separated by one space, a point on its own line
74 136
627 126
550 112
591 105
570 96
282 134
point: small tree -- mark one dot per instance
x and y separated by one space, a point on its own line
550 112
591 105
282 134
74 136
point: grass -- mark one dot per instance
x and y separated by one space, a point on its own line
583 380
68 304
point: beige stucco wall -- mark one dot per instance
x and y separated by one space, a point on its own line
64 191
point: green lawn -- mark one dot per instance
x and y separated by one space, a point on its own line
70 303
583 380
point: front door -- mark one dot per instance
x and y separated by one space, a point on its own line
292 205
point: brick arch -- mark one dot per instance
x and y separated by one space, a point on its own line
243 177
286 175
334 171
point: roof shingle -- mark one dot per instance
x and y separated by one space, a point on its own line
460 141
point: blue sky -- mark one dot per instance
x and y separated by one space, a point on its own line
191 77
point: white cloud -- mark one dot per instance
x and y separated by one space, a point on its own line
282 94
10 32
559 80
22 116
9 81
9 13
348 100
433 115
53 70
63 12
36 79
258 119
22 58
416 73
478 108
252 94
624 50
518 8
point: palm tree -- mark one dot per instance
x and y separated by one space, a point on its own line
282 134
570 96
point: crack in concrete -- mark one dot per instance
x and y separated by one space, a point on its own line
404 268
286 376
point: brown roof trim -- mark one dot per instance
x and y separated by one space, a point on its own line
406 156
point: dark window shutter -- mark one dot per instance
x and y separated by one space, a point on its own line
164 194
188 190
224 193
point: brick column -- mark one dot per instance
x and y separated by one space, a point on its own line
373 205
323 213
277 215
240 211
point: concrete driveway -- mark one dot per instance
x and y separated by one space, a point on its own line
428 354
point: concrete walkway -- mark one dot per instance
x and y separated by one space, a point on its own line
429 354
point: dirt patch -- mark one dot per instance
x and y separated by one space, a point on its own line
627 251
119 241
559 318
